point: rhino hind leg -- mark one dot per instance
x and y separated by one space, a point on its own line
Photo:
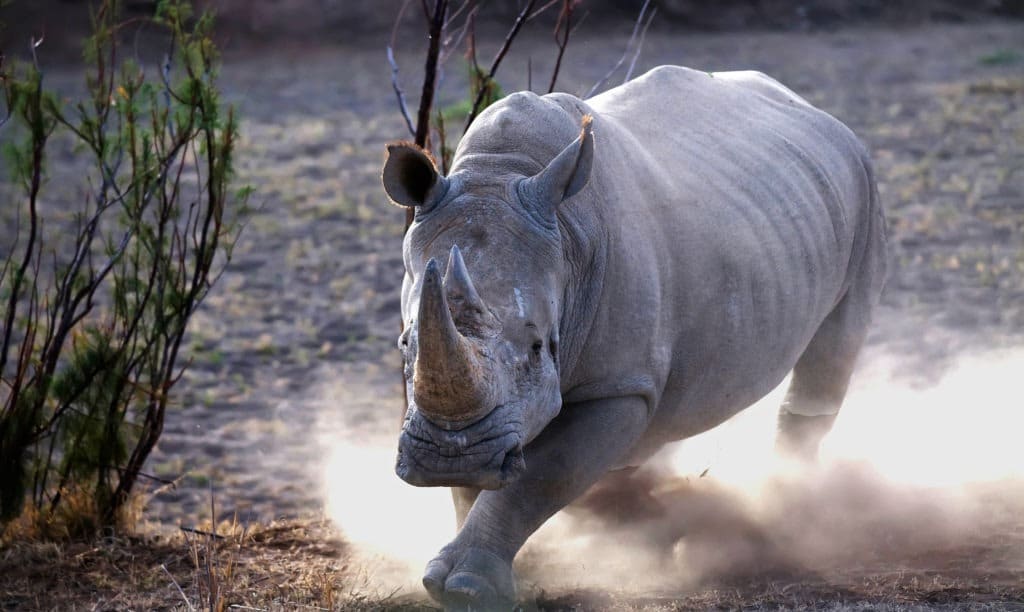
822 374
800 436
463 497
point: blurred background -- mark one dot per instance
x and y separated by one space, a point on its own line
339 20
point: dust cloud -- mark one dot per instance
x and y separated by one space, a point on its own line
394 528
912 475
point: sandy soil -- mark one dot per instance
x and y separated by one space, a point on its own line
296 345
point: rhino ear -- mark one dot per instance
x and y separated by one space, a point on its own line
568 172
410 176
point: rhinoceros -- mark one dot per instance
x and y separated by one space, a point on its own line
596 278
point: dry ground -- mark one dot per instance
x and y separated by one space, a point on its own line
295 347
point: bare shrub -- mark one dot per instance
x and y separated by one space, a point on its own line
96 302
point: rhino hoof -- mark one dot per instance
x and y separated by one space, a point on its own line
478 580
434 577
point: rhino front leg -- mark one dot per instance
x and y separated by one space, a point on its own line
574 451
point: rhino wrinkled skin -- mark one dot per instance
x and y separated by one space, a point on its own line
594 279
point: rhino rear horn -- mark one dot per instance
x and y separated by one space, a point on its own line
459 286
568 172
450 385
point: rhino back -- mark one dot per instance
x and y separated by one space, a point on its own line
731 210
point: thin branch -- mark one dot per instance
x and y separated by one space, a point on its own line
580 22
442 137
398 20
430 73
163 481
520 20
178 586
539 11
563 25
399 93
455 14
67 303
39 137
215 536
211 561
471 45
629 45
7 96
454 40
165 76
36 42
395 84
639 46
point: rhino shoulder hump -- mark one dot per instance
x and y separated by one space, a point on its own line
761 83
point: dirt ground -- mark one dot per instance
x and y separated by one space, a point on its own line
295 348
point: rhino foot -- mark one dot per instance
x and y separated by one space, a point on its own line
467 578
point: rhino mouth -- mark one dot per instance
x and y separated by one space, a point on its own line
486 455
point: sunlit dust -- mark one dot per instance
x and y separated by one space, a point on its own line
907 470
965 429
380 514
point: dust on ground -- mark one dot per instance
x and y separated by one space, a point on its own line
296 344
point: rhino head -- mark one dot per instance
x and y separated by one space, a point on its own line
481 301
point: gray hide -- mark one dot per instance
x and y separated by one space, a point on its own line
675 259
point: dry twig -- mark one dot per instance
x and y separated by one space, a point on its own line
201 532
639 46
178 586
629 45
564 27
523 17
437 21
398 92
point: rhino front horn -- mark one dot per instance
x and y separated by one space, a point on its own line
450 385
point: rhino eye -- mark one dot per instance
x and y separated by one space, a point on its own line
538 346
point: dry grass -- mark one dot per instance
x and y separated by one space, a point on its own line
75 516
307 565
293 565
